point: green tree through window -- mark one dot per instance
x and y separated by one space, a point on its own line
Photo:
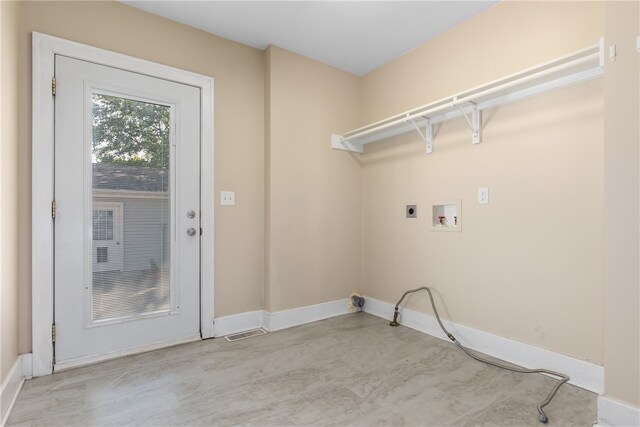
129 132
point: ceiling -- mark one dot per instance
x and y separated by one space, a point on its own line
355 36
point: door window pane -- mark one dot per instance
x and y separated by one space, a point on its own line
131 208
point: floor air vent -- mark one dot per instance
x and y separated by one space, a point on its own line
244 335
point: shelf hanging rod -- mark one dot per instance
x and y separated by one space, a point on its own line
596 48
528 78
577 58
451 104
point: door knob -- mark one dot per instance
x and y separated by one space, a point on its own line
191 231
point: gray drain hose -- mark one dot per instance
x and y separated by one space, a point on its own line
561 377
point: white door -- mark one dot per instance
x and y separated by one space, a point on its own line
127 226
107 252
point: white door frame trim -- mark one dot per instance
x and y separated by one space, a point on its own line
45 48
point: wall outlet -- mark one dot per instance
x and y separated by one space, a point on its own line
227 198
483 195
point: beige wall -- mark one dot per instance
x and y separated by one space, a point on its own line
239 130
313 208
9 190
622 186
527 266
506 38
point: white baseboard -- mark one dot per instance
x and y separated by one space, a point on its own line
10 389
310 313
238 322
612 413
280 319
583 374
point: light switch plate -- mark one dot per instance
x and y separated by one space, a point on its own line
612 53
227 198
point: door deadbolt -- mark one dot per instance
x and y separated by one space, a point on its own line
191 214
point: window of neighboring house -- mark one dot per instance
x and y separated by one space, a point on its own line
102 224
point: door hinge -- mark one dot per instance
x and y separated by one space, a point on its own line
53 333
53 86
53 209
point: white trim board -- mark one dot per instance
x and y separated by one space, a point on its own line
44 50
27 366
10 389
583 374
311 313
280 319
241 322
613 413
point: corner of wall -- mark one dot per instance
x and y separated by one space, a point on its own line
312 192
9 237
622 190
266 288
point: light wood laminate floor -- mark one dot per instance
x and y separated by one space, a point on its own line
348 370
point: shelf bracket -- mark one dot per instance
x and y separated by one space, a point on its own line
475 122
338 143
427 136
